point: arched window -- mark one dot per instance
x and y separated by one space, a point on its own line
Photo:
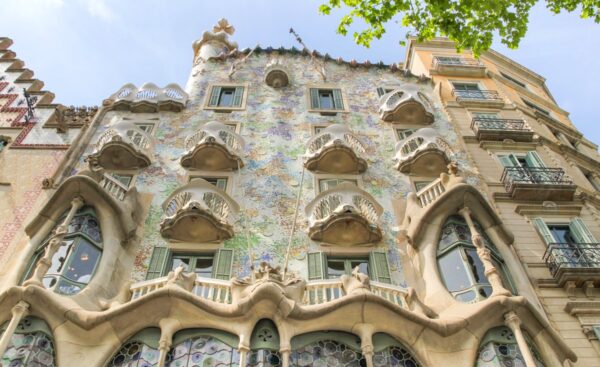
499 348
141 350
203 348
264 345
327 349
30 345
389 353
75 262
461 268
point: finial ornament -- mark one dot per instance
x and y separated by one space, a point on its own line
224 26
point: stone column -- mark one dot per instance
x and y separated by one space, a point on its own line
285 357
19 310
244 350
484 255
163 347
366 342
45 262
514 323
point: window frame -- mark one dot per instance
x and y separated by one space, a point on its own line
478 83
229 176
531 106
313 128
209 93
194 256
513 79
323 176
328 111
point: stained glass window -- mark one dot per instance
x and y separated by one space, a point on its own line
389 353
76 260
264 345
499 348
30 345
140 351
326 349
204 350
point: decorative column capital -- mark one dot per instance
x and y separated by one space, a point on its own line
512 320
77 202
20 309
465 211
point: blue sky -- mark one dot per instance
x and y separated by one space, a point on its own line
85 50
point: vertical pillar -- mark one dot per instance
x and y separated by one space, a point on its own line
365 331
514 323
163 348
45 262
484 255
244 350
285 357
19 310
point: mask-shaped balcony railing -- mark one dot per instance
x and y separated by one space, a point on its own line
149 98
336 150
344 215
423 152
198 212
214 148
492 128
405 105
538 183
122 146
578 262
457 66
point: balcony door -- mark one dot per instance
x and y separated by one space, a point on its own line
528 168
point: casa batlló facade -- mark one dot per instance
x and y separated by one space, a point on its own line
290 209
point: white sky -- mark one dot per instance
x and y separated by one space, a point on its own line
85 50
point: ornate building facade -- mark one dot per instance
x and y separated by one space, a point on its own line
290 209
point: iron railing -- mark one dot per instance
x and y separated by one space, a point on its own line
476 94
493 123
455 61
572 256
533 175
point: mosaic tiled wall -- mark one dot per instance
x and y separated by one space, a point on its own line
276 127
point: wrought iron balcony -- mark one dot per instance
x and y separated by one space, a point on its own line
538 183
336 150
214 147
344 215
457 66
122 146
482 98
406 105
491 128
424 152
198 212
149 98
576 262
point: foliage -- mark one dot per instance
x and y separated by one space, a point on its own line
470 23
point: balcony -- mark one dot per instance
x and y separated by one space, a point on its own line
538 183
336 150
122 146
499 129
478 98
149 98
345 216
198 212
214 148
457 66
423 153
406 105
576 262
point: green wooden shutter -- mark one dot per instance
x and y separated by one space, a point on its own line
508 160
222 264
237 96
214 96
314 99
580 232
534 160
338 102
157 262
380 91
543 230
316 265
380 269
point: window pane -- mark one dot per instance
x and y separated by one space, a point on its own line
335 268
326 99
561 233
477 269
453 271
363 265
203 267
83 262
178 261
330 183
226 97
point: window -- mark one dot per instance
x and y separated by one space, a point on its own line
75 262
420 185
319 129
123 179
394 353
573 232
30 345
145 127
527 160
330 183
330 348
466 86
404 133
514 80
204 347
382 91
141 350
535 107
220 182
3 143
461 269
226 97
217 265
321 266
326 99
499 348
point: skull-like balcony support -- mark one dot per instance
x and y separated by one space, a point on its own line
344 215
149 98
423 153
214 148
123 146
198 212
336 150
405 105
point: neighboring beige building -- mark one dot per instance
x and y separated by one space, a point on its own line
291 209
